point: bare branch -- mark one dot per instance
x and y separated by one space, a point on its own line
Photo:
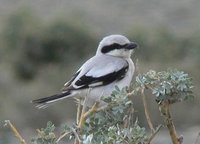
86 114
146 111
164 109
77 138
15 131
154 134
63 135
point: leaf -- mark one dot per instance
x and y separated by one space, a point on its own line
170 85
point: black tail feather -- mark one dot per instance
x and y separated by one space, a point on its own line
51 98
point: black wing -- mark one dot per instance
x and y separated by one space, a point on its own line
89 81
68 84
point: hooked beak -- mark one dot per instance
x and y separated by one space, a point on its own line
131 45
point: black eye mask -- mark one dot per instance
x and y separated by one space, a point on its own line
111 47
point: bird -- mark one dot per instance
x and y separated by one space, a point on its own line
111 66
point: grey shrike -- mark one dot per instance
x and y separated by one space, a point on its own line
110 67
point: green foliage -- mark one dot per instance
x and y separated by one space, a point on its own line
45 135
118 135
115 124
171 85
63 42
16 28
107 126
33 44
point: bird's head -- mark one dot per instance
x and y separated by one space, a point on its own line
116 45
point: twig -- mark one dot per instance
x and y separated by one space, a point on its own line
86 114
78 110
154 134
15 131
146 111
76 141
81 120
78 115
164 109
63 135
128 118
77 138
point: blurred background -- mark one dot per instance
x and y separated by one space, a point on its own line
43 42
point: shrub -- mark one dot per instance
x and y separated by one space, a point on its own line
33 44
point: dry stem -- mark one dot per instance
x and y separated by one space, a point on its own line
86 114
77 138
15 131
164 109
154 134
146 111
78 114
62 136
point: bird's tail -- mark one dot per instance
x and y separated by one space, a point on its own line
42 102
